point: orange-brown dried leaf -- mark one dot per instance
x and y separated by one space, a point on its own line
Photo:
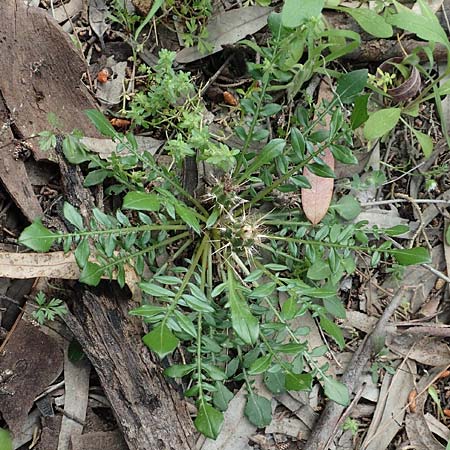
230 99
120 123
316 201
103 75
412 401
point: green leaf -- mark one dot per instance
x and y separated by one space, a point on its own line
187 216
336 391
179 370
348 207
380 122
411 256
244 323
294 14
264 290
276 267
153 10
425 142
91 274
319 270
222 396
298 382
447 235
370 21
254 276
334 306
5 440
351 84
96 177
215 373
291 348
359 114
269 152
212 219
289 308
154 290
260 365
270 109
73 216
275 381
186 324
425 25
321 170
209 420
258 410
298 142
333 330
47 140
73 150
147 311
141 201
196 304
37 237
161 341
101 123
82 253
396 230
343 154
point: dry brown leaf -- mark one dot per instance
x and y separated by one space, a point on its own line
393 397
416 425
412 401
315 201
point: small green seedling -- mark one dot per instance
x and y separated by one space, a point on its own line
48 310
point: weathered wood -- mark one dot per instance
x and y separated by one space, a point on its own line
12 170
41 73
150 412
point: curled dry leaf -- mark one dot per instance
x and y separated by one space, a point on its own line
315 201
104 75
230 99
412 401
120 123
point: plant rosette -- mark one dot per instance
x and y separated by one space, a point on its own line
407 79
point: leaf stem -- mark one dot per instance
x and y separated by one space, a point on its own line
187 277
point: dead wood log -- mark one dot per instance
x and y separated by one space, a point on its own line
41 73
150 412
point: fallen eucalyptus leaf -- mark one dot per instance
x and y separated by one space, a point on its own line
228 28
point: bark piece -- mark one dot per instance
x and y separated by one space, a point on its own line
76 378
111 440
150 413
12 170
41 73
49 434
31 361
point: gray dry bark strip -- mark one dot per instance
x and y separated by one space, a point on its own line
325 428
